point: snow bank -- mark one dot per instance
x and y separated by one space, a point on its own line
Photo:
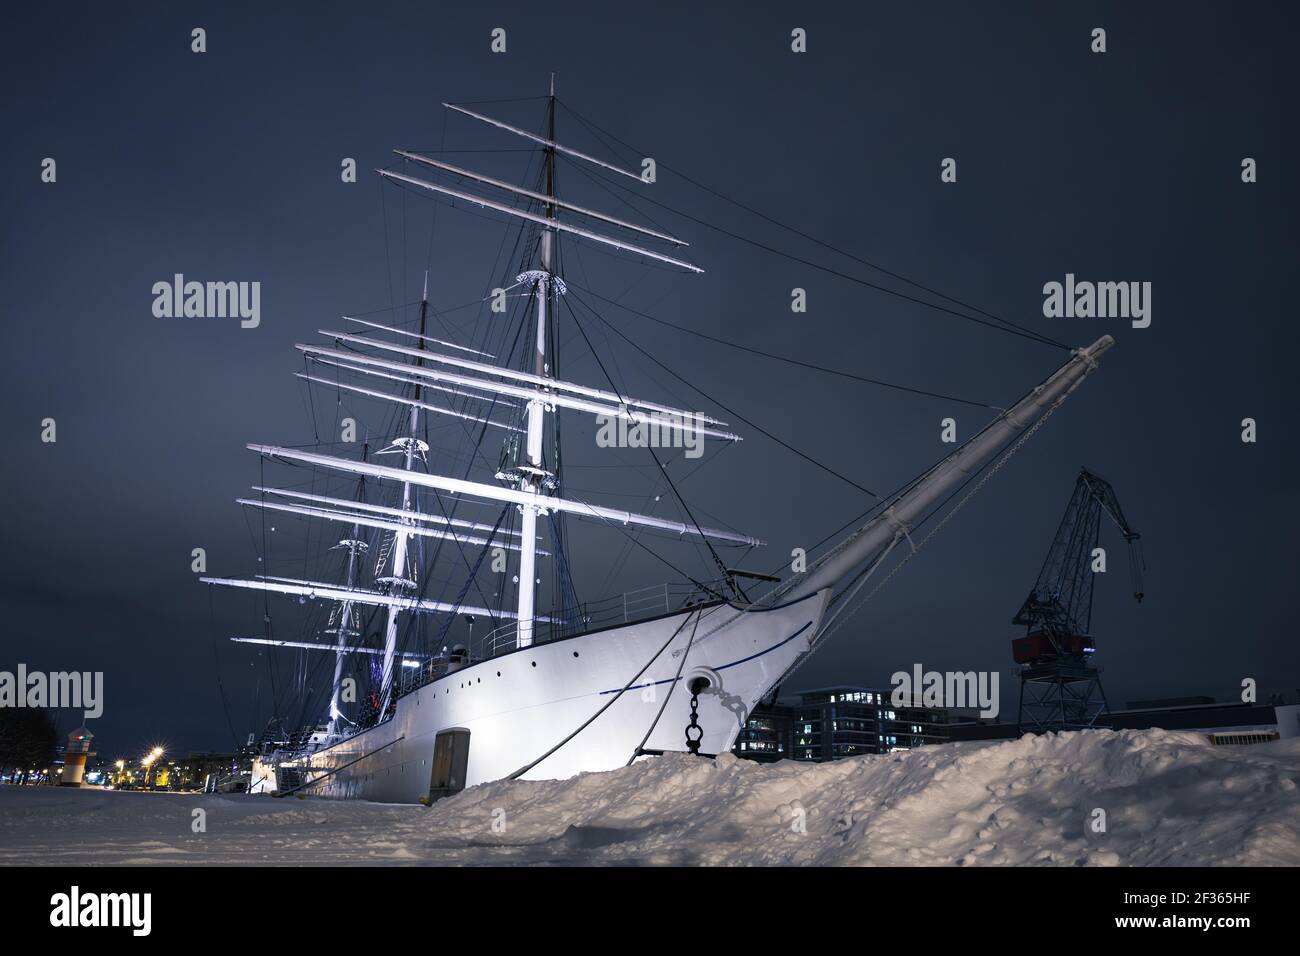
1168 798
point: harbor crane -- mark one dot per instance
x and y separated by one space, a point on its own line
1059 687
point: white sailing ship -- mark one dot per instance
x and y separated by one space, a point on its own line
574 687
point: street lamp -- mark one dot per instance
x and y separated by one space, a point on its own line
149 760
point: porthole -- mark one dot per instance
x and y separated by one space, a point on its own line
575 653
534 663
498 673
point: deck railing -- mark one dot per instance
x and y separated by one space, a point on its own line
627 608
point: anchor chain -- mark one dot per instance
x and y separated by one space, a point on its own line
693 743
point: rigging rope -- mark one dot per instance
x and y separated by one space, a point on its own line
822 638
672 687
730 411
608 704
726 575
792 361
472 578
1007 326
1031 336
216 667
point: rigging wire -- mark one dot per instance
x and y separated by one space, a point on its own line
791 361
513 99
896 493
616 567
730 411
471 579
726 575
1025 334
1007 325
216 666
266 595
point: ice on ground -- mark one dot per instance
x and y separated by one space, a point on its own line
1168 799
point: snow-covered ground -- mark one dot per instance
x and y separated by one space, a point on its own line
1168 798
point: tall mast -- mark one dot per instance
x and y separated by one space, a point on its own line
530 481
346 632
399 582
524 480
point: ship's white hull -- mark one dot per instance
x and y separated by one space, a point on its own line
519 706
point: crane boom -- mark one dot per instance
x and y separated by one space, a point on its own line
1060 603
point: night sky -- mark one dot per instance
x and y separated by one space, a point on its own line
226 166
